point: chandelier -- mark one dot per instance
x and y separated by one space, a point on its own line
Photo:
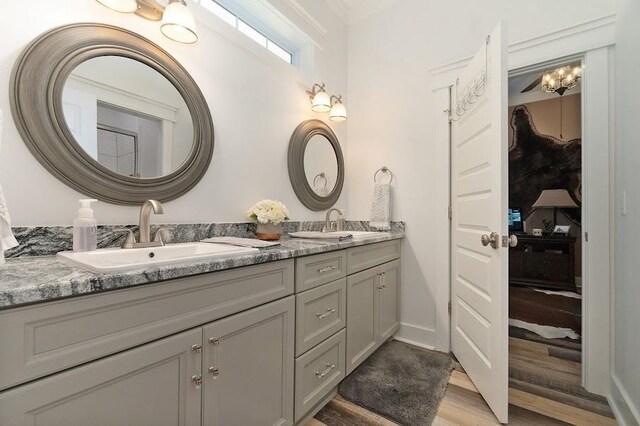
561 79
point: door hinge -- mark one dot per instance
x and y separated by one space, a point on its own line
586 237
449 308
450 212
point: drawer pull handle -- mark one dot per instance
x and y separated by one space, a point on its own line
322 315
330 367
197 380
214 371
326 269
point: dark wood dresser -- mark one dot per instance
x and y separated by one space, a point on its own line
547 261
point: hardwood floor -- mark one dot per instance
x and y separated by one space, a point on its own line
529 404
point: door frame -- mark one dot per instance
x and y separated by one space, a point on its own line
592 41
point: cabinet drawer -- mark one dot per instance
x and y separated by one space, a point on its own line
365 257
312 271
54 336
320 312
318 372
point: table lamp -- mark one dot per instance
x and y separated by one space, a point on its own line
554 198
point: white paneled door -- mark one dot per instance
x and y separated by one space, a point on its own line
479 260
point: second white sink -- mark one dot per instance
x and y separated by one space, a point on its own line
116 259
365 235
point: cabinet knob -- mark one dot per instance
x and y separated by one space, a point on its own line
197 380
214 371
196 348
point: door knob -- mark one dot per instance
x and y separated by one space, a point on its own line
513 241
491 239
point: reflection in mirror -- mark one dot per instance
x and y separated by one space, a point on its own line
127 116
320 165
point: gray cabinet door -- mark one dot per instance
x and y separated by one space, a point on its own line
362 314
388 296
248 367
150 385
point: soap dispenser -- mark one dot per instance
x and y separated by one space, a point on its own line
85 230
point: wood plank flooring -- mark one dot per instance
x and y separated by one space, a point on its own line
529 403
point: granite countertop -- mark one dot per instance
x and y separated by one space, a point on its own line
36 279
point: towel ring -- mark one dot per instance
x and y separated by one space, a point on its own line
383 169
320 176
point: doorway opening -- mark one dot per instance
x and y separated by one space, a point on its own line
545 214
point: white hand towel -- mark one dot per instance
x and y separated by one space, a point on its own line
7 240
381 207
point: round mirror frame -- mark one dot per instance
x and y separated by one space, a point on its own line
297 146
37 83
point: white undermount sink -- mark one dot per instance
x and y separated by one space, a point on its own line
365 235
117 259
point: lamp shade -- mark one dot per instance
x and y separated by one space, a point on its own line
124 6
178 23
555 198
321 102
338 112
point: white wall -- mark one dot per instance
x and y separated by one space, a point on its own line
626 315
256 101
391 48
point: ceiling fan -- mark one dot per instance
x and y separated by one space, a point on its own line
558 80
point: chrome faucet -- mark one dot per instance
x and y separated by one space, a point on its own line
332 226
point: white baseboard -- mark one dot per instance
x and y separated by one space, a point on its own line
621 404
416 335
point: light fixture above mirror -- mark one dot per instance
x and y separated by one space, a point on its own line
177 21
322 102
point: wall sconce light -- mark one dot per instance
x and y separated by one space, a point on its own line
177 21
338 111
322 102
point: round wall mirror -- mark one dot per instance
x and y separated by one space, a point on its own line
127 116
316 165
111 114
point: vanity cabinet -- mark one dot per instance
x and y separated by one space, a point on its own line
340 323
373 314
247 346
238 370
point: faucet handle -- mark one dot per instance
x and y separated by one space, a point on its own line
130 241
159 238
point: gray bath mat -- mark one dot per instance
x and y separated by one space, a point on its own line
400 382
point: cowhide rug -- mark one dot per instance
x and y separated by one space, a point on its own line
538 162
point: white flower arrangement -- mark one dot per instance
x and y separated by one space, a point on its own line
268 211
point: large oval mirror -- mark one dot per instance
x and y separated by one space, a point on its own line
316 165
111 114
127 116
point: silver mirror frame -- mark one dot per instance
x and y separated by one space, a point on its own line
37 83
297 146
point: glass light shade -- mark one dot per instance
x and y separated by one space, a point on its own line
338 112
124 6
321 102
178 23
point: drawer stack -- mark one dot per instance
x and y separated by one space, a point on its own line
321 302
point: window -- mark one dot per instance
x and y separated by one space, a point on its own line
248 30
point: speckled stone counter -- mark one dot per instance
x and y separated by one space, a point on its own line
36 279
